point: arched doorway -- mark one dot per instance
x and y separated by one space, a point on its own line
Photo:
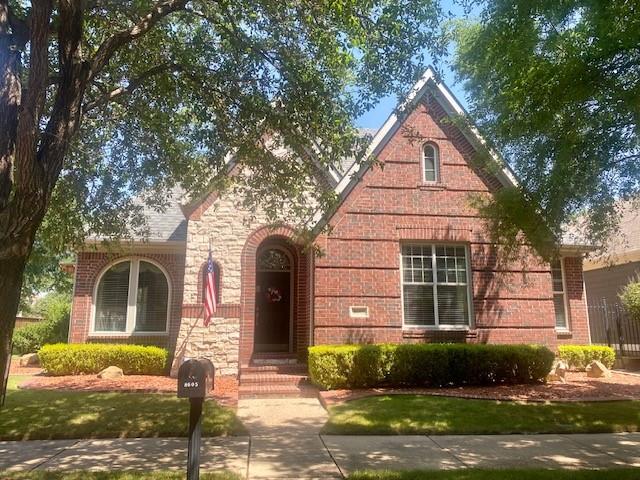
274 299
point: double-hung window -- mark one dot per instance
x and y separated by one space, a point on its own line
132 296
559 295
435 286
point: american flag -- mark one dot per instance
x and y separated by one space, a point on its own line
210 304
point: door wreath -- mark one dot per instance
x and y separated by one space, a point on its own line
274 295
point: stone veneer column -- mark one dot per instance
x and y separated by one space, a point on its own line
219 342
228 225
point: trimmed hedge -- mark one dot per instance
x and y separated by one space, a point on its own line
579 356
78 358
432 364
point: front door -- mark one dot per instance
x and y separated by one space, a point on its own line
273 301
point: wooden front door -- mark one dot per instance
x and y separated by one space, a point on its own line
273 302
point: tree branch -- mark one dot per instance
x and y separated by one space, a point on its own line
65 114
132 85
27 171
10 93
112 44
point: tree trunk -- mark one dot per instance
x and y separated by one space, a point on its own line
10 284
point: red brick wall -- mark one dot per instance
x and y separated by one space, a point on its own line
90 265
512 301
576 300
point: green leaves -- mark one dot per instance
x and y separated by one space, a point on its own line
555 86
248 77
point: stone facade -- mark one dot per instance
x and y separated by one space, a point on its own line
222 222
219 342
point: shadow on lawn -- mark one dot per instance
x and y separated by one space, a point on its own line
43 414
423 414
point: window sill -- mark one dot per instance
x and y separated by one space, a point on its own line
418 328
127 334
563 333
431 186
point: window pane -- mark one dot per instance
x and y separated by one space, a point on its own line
416 264
274 259
430 158
558 305
418 305
151 304
111 299
453 307
556 276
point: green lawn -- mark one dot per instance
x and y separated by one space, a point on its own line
616 474
423 414
40 475
41 414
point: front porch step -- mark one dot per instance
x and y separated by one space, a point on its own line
276 391
275 360
273 378
289 369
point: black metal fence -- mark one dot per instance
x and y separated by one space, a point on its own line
611 325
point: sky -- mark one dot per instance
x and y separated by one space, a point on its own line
375 118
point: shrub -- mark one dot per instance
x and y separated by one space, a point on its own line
630 298
579 356
358 366
55 309
74 359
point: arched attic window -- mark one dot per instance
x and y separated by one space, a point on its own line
132 296
431 162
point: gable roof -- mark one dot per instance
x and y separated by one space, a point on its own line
427 83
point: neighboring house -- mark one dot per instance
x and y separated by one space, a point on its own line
407 260
606 274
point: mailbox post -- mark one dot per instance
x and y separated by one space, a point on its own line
195 378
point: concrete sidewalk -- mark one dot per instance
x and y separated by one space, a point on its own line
285 442
329 456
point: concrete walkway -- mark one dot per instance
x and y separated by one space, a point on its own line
330 456
285 442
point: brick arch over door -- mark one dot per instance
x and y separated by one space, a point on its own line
301 310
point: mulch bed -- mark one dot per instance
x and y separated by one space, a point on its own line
578 388
225 387
16 369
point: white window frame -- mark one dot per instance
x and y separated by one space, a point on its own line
471 320
134 270
565 303
436 163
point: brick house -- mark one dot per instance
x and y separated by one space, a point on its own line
407 259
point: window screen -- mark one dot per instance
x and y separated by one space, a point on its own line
440 299
149 298
430 160
559 303
111 300
151 302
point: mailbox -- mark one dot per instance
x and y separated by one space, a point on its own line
195 378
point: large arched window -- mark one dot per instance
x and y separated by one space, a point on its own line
132 296
430 162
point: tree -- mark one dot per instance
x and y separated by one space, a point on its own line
555 87
103 102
